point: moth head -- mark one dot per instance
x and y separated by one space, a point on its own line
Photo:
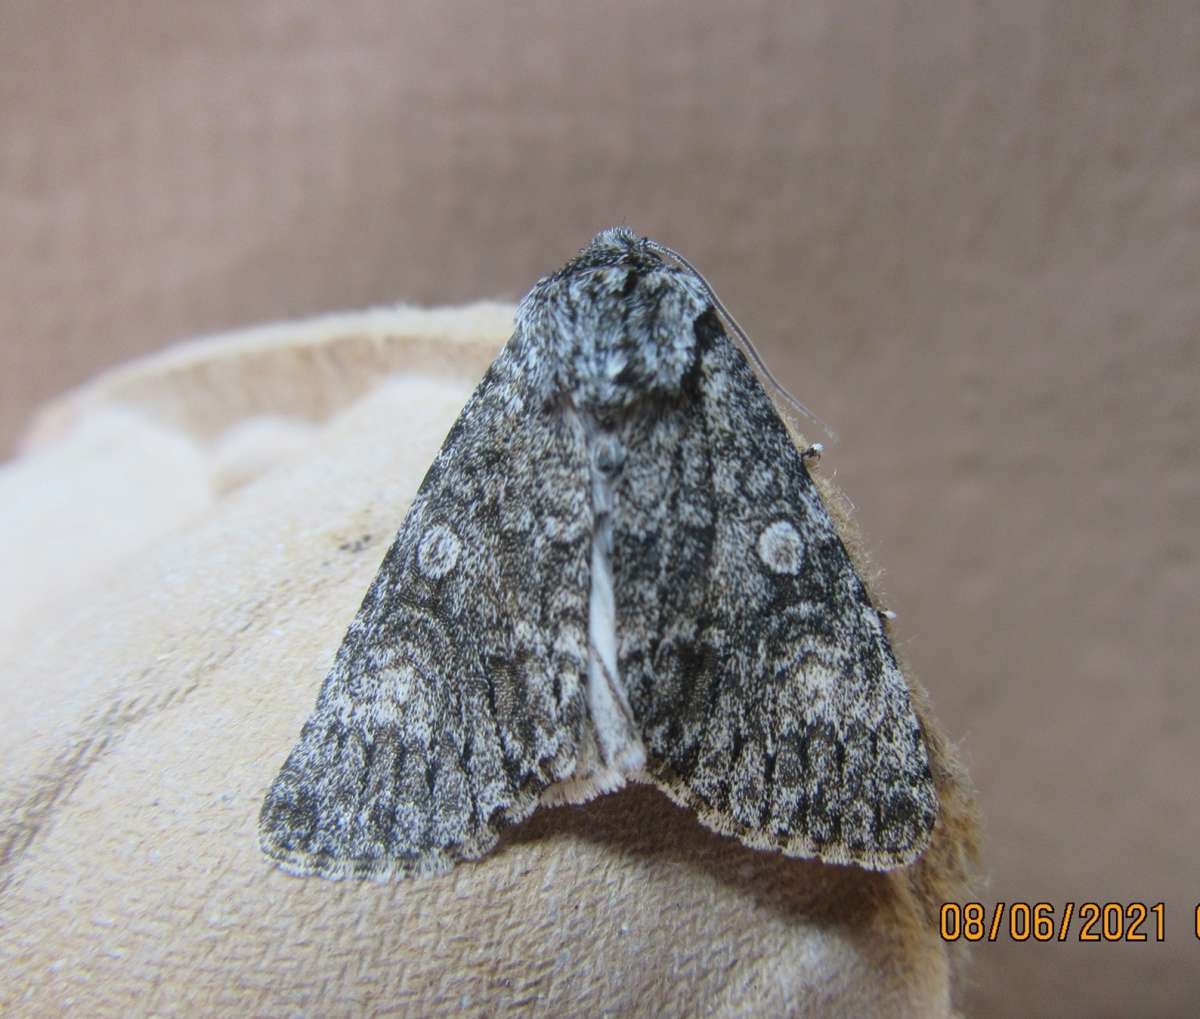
615 326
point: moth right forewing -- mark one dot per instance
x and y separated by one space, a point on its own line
771 699
663 535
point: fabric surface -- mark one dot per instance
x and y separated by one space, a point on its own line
151 697
965 234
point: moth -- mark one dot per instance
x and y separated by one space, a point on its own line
617 568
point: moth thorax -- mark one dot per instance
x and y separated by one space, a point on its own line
626 345
624 379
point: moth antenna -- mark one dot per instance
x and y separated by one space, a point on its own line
740 333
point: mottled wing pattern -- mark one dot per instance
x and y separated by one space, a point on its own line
457 695
759 670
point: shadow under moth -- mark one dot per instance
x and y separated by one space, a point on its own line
617 568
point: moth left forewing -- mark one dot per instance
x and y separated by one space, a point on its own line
457 694
769 696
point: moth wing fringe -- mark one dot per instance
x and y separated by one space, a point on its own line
385 869
664 779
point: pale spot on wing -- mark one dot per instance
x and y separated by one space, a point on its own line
781 548
438 552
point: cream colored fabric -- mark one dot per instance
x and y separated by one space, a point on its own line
185 543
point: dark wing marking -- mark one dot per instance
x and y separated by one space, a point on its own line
769 698
457 694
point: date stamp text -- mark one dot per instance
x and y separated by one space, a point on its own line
1047 921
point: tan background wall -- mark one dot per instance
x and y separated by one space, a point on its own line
966 234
